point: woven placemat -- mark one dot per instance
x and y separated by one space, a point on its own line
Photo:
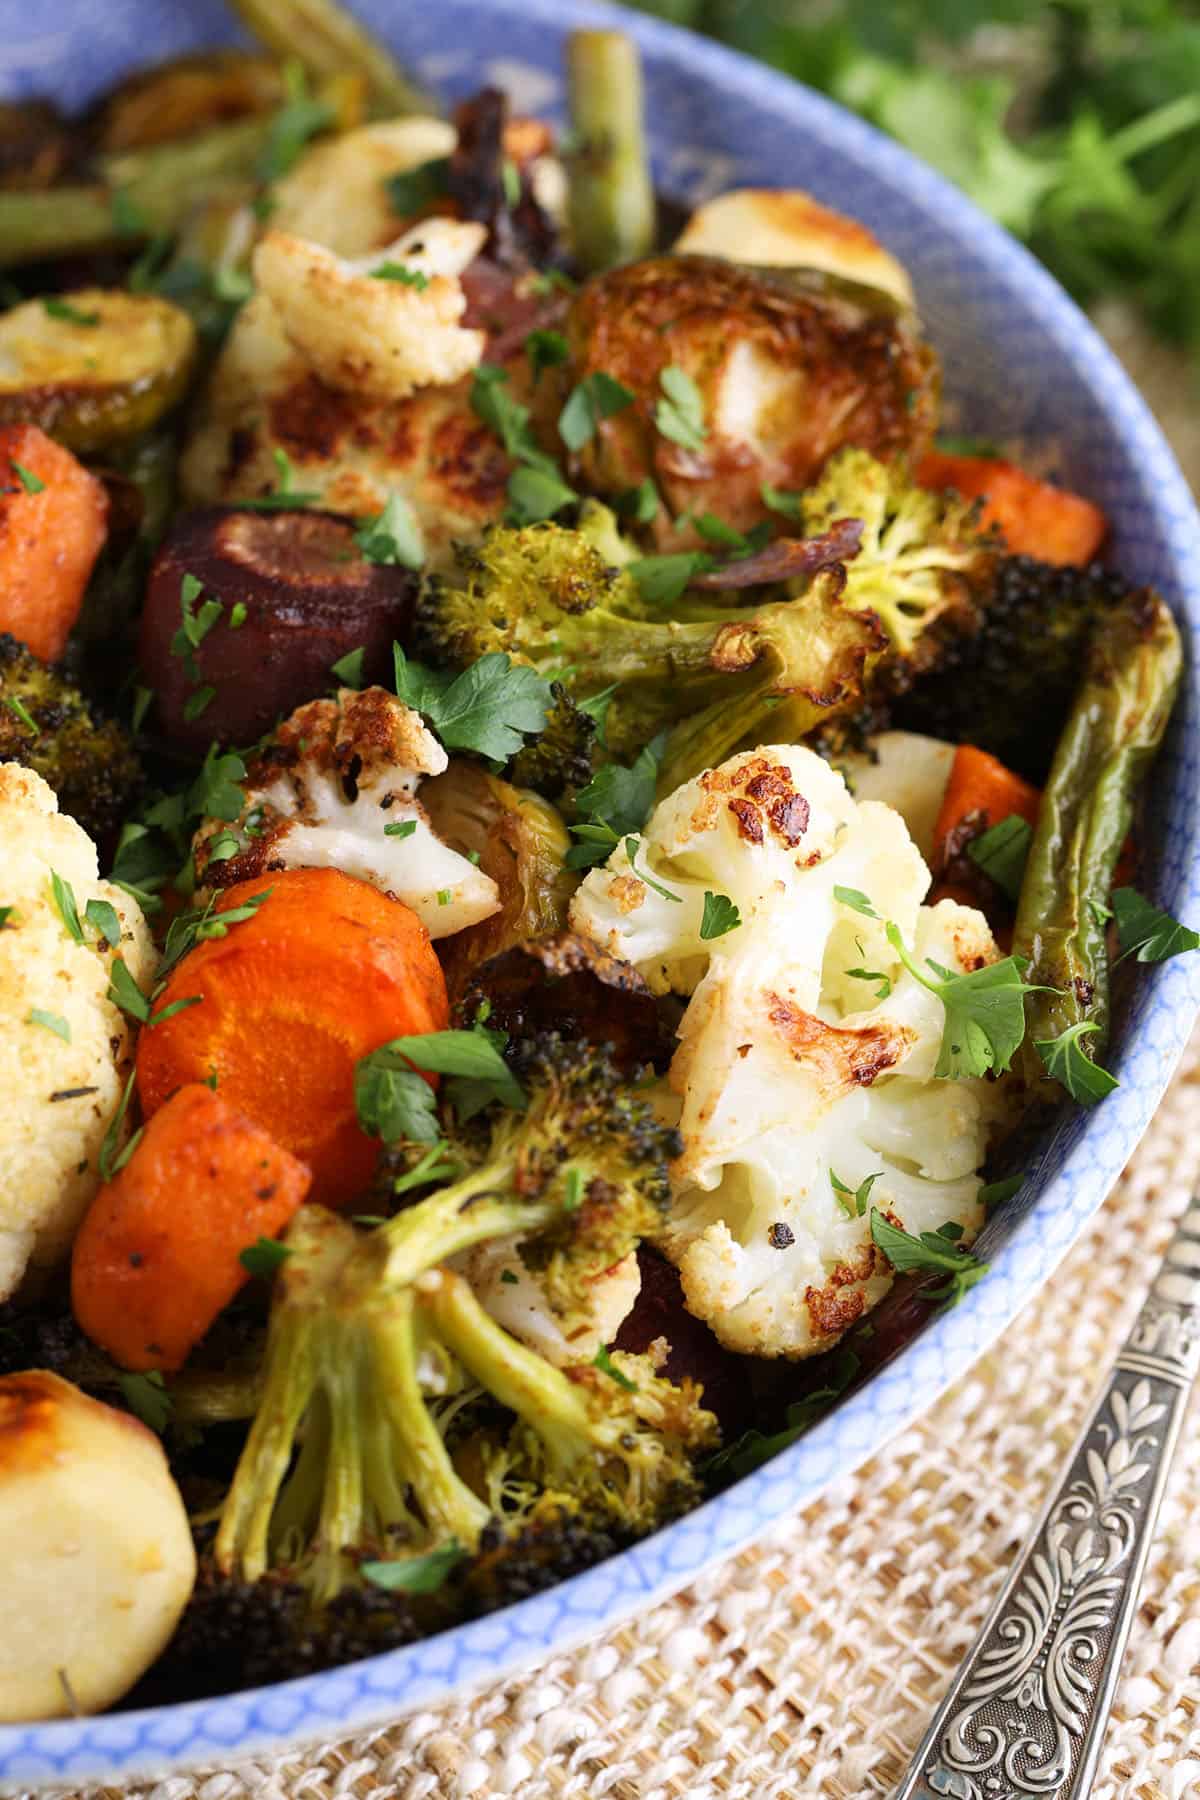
810 1664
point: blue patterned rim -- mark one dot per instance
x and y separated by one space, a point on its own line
1019 359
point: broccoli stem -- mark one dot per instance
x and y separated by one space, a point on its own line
610 196
1130 679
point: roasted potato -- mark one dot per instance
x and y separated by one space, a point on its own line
97 1560
788 365
94 368
297 595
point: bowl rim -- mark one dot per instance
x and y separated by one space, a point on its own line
466 1657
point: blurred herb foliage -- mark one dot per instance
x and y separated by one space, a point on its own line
1075 124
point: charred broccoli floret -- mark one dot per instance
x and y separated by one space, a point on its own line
922 561
377 1351
1008 687
542 595
47 725
562 756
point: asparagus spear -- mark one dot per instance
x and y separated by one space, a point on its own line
610 202
1129 682
328 41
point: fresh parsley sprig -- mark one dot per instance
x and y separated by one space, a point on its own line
933 1252
490 708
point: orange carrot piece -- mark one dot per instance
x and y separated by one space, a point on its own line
157 1257
982 789
1036 518
327 969
50 537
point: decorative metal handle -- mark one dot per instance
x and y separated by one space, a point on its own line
1025 1715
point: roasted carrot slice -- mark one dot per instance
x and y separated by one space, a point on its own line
159 1254
1036 518
326 970
982 790
53 522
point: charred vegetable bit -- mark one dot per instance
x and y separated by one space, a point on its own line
48 725
1130 678
376 1351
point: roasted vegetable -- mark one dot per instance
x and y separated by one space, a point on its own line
1130 678
186 96
1007 686
610 196
740 377
516 838
1035 518
296 595
53 522
47 725
94 367
562 756
35 145
368 1332
787 228
83 1488
329 41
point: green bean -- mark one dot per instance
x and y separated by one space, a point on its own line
157 188
328 41
610 197
1130 679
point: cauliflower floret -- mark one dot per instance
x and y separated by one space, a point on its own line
906 771
774 830
791 1069
516 1299
369 335
337 193
785 227
337 789
65 1050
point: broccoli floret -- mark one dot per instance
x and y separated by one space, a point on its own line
543 595
377 1352
1007 688
562 757
922 561
88 761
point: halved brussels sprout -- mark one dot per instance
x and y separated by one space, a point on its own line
96 367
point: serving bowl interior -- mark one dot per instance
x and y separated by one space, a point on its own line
1020 362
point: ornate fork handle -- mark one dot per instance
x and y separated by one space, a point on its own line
1025 1715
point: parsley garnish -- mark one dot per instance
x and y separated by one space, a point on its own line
490 708
509 1276
603 1361
535 494
195 624
68 911
198 701
297 120
6 918
57 308
995 1193
720 915
393 536
985 1012
853 1201
124 992
640 504
265 1257
492 402
110 1161
616 802
679 414
436 1165
573 1186
22 712
1002 852
142 697
755 1447
416 1574
237 617
168 1012
1145 932
932 1253
147 1398
50 1022
856 900
33 484
546 349
394 1102
401 828
412 190
285 494
631 850
661 579
188 929
598 396
394 271
780 501
1066 1060
884 982
349 668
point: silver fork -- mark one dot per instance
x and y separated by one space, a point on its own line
1025 1715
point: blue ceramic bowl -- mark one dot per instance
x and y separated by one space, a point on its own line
1020 360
